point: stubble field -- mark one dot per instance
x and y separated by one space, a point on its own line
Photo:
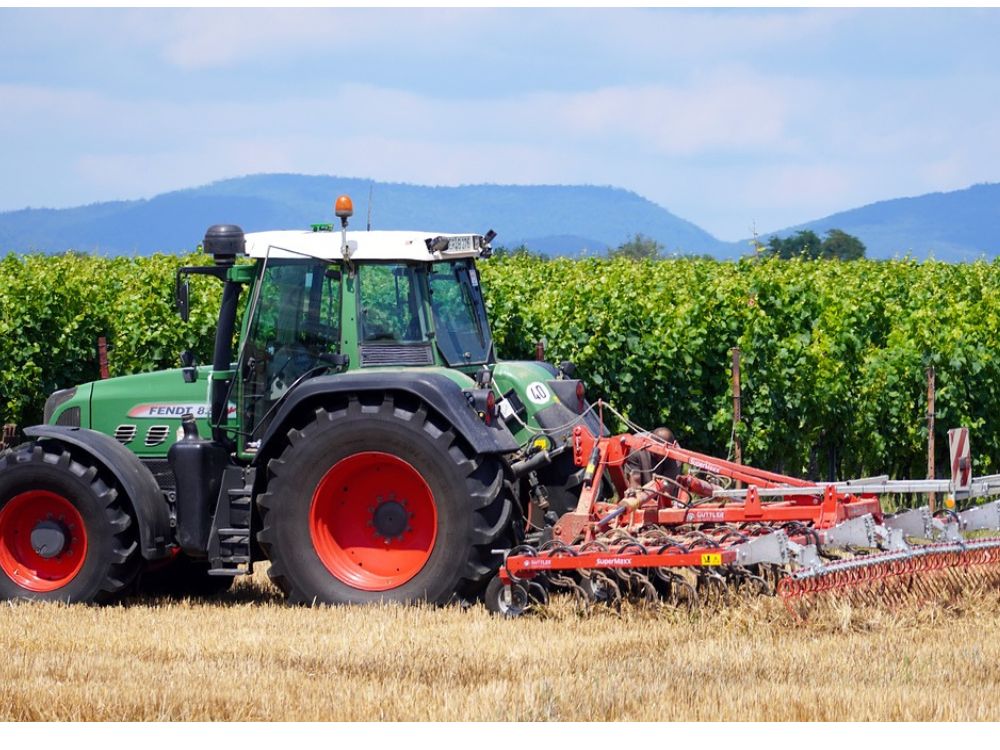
247 656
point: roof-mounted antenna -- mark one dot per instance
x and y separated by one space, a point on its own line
371 186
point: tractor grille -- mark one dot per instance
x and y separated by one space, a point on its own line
157 435
125 433
70 417
373 355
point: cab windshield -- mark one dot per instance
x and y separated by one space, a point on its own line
463 331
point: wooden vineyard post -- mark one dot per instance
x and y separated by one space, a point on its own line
931 497
102 357
737 411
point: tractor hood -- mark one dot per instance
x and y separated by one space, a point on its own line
143 411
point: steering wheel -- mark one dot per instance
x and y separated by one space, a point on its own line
293 358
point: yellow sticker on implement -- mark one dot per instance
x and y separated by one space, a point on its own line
711 558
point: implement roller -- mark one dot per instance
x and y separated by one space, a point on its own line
696 537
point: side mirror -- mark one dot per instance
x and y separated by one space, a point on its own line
181 298
567 369
188 367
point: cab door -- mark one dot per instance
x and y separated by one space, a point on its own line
292 335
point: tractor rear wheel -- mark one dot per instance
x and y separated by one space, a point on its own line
382 501
64 533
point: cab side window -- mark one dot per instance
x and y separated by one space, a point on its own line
390 302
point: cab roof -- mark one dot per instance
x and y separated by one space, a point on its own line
371 246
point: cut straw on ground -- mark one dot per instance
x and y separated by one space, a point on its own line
248 656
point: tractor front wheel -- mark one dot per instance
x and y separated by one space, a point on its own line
382 501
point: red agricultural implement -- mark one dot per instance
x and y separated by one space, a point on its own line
698 535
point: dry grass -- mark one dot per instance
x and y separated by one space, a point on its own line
250 657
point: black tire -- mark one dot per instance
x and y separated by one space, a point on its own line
563 481
182 578
506 601
471 500
111 558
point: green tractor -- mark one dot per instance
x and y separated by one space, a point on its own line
355 429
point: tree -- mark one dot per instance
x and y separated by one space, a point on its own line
637 247
840 245
805 244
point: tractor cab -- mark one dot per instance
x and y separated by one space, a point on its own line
322 302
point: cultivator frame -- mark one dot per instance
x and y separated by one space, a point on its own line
723 525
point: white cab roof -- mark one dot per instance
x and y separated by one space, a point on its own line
404 246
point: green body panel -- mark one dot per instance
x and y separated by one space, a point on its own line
520 376
160 399
149 400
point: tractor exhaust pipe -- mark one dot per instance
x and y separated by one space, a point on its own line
224 242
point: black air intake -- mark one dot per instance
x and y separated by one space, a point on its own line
224 242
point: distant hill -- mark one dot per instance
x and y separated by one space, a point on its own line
569 220
559 220
955 226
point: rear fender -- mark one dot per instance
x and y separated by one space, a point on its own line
143 494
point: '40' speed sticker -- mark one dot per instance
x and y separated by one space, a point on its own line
537 392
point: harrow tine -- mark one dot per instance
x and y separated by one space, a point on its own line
537 593
683 593
605 590
567 583
643 589
713 589
750 583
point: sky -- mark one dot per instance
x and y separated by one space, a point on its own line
737 120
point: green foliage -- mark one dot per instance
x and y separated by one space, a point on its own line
838 245
637 247
834 354
521 251
54 308
833 367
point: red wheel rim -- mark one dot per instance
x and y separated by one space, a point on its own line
373 521
18 558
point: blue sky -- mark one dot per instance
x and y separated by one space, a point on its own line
728 118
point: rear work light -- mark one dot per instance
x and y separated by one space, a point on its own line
491 408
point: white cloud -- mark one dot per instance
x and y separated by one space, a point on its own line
724 112
200 39
195 39
699 38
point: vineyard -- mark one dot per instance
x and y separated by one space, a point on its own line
833 354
